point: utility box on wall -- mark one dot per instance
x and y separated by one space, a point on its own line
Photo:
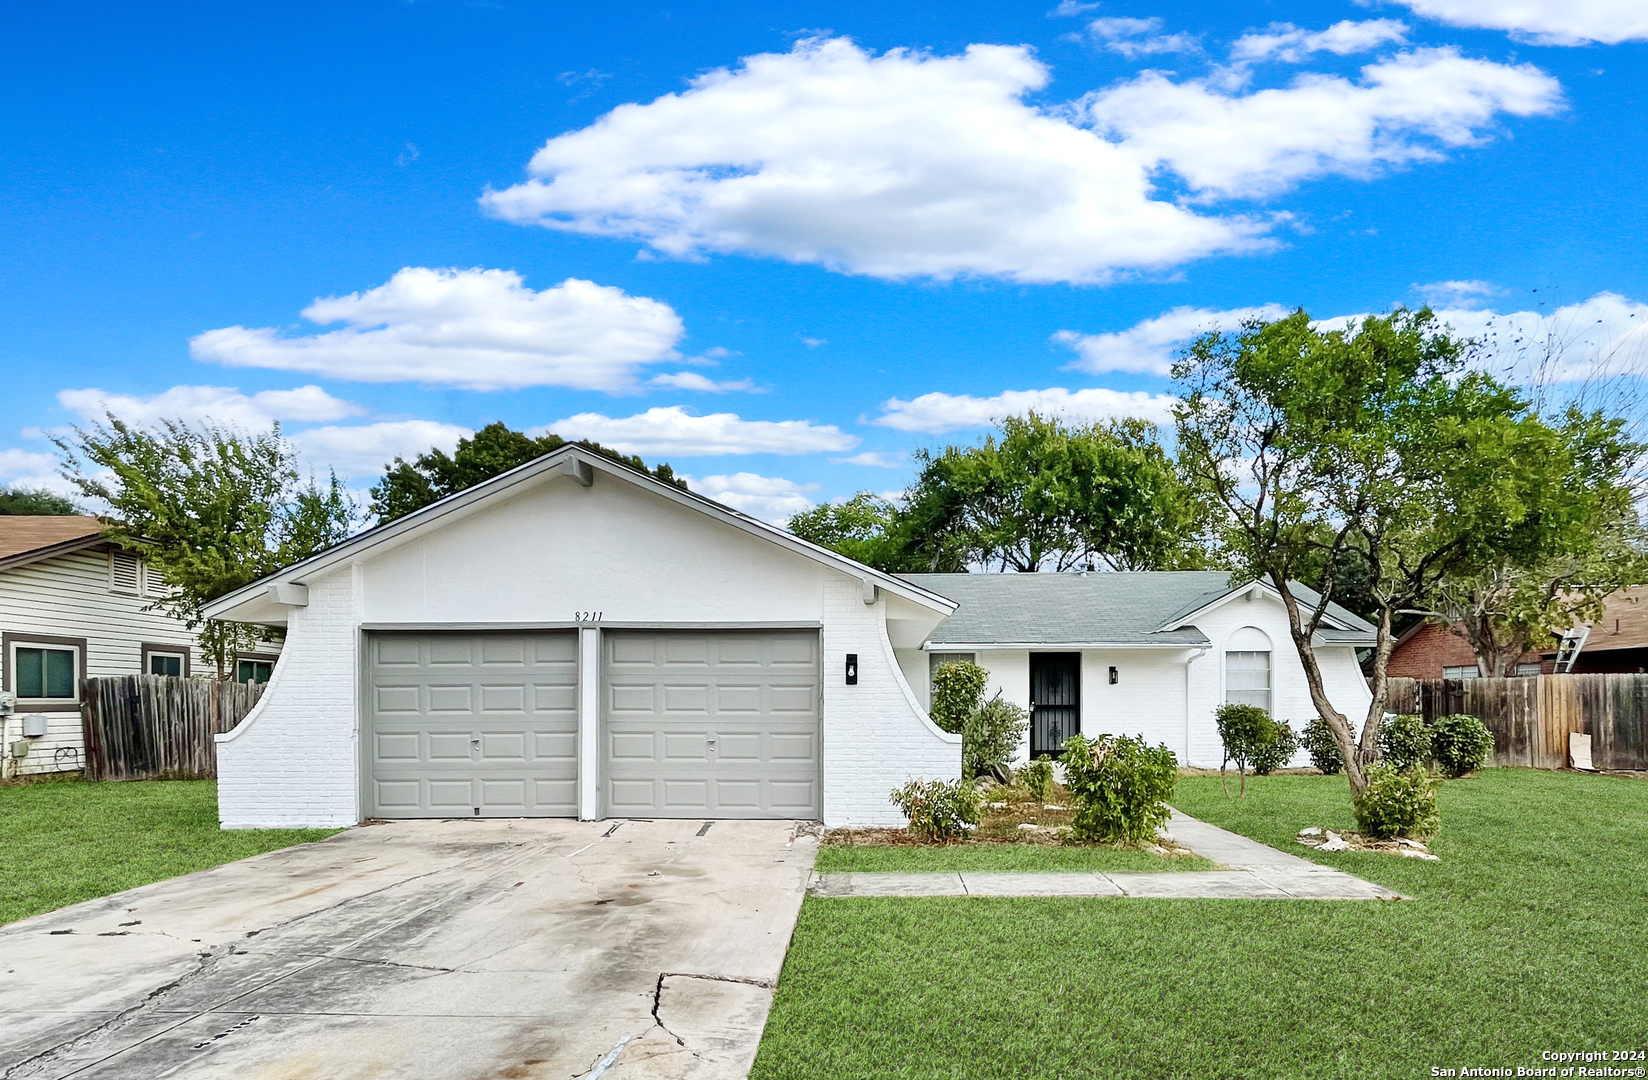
34 725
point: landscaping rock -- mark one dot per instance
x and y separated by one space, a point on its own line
1027 826
1314 830
1335 842
1416 854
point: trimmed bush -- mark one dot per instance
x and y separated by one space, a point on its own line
1397 802
1460 744
958 691
1278 750
938 810
990 735
1324 748
1244 730
1037 778
1120 787
1405 741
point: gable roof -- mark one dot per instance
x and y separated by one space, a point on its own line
570 457
1138 609
28 537
1340 625
1624 622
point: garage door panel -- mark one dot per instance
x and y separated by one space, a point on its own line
713 725
462 723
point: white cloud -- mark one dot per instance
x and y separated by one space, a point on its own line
1070 7
216 404
901 165
27 469
673 430
362 450
691 380
1599 338
911 164
1147 347
937 413
1457 294
1404 109
473 329
878 459
1545 22
1290 44
770 498
1139 37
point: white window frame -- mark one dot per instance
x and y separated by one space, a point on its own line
75 651
1460 672
1250 695
180 653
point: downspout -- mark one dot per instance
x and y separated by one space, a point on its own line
1191 659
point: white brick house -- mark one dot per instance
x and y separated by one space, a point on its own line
575 638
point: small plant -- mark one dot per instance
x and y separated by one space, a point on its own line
1324 748
1244 730
1278 750
1405 741
938 810
1397 802
958 691
1120 787
990 736
1460 744
1037 778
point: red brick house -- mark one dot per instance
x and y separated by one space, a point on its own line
1427 650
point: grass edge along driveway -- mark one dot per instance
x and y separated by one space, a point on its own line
69 841
1528 936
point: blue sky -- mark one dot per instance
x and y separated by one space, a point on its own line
778 246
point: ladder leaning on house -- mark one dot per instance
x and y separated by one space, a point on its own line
1568 651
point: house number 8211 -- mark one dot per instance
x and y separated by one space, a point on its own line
586 616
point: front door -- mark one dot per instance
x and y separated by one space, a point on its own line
1055 701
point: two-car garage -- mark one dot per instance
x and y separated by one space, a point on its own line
692 723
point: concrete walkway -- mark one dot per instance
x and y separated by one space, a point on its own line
1246 870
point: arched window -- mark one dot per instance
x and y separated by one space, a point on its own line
1247 668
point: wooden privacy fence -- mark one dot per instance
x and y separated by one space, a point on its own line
143 726
1532 716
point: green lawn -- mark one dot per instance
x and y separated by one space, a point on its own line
72 841
985 857
1530 935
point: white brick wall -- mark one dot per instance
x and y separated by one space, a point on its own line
292 763
876 735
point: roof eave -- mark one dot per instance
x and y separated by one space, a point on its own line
62 547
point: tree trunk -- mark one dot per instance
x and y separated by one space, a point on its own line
1355 759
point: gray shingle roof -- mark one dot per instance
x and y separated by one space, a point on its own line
1096 608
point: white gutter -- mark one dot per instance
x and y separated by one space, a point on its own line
986 646
1189 661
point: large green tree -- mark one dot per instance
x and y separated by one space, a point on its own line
1380 436
494 449
1046 495
211 508
34 501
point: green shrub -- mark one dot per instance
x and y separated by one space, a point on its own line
1037 778
1460 744
1405 741
1397 802
938 809
958 691
1244 730
1275 752
1324 748
990 736
1120 787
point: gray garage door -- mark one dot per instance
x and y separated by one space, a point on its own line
711 724
461 724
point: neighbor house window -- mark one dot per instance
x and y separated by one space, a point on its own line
44 672
1461 671
164 660
251 670
1528 669
1247 677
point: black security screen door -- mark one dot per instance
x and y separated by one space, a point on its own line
1055 701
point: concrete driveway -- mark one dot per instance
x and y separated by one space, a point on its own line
426 950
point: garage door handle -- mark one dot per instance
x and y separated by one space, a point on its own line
711 744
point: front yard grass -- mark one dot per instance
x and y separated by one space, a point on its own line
905 858
1529 936
70 841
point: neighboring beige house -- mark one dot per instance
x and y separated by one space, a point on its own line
73 606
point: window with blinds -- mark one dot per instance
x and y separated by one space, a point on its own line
1247 678
125 573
